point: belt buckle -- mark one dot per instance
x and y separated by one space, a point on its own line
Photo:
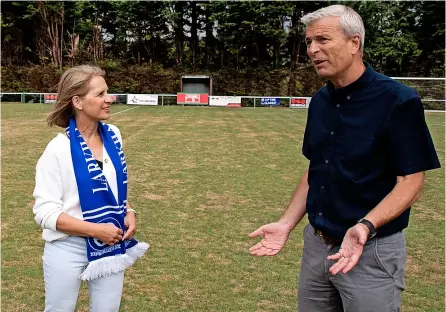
321 235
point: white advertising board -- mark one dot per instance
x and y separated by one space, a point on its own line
142 99
235 101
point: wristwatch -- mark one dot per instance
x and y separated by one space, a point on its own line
370 226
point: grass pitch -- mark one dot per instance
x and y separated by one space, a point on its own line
201 179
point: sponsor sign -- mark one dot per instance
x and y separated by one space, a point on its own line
300 102
270 101
113 97
142 99
50 98
226 101
192 98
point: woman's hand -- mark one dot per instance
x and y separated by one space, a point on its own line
108 233
130 224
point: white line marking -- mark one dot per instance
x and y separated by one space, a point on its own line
124 110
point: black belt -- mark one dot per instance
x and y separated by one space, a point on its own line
329 240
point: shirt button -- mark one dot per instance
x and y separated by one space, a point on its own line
106 160
322 187
327 161
348 97
338 105
320 214
332 132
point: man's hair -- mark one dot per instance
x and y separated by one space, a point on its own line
351 22
74 82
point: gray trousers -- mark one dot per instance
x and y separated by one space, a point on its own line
63 261
375 284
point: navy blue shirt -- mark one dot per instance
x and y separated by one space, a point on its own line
358 139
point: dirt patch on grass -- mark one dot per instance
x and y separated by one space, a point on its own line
268 305
423 210
154 197
218 259
412 268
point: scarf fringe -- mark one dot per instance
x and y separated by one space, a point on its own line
137 251
113 264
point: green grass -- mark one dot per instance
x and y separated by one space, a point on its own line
201 180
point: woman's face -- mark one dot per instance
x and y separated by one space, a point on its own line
96 103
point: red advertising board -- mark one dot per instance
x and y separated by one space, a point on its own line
193 98
300 102
50 98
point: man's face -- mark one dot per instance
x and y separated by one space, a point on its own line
329 49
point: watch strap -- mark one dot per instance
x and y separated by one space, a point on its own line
370 226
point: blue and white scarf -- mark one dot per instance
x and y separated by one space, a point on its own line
99 205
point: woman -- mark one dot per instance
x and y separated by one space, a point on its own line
81 198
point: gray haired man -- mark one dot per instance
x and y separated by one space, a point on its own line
368 145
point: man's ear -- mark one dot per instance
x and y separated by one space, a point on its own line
77 102
355 44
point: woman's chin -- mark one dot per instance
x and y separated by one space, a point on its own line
105 116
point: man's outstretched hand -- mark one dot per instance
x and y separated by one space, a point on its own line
275 235
351 249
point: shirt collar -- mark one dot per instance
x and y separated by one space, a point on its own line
361 82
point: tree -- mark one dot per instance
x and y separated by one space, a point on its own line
52 15
430 35
402 37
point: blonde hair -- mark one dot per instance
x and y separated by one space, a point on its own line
74 82
351 22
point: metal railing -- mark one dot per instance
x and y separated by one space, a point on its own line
168 99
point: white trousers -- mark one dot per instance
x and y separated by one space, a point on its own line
63 261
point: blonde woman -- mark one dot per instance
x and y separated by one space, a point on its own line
81 198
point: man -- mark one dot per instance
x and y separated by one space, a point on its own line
368 146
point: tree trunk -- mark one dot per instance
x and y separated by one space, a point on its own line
194 32
61 39
51 20
55 43
98 52
179 34
237 60
222 55
298 52
209 38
